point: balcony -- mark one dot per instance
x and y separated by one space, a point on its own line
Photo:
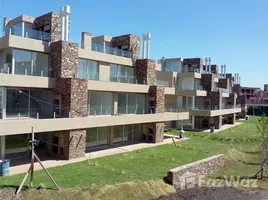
110 50
27 69
210 111
128 79
28 33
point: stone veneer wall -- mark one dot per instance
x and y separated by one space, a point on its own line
237 89
224 83
178 176
145 70
129 42
215 98
193 61
74 95
50 22
157 94
207 81
64 59
71 142
232 98
158 131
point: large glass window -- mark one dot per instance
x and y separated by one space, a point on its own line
30 63
186 84
100 103
122 74
118 134
131 103
88 69
18 102
172 66
97 137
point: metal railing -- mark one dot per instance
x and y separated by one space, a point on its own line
110 50
128 79
190 69
162 83
7 69
28 33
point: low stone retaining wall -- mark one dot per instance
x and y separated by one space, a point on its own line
189 173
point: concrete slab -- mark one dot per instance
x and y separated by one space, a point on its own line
50 161
224 127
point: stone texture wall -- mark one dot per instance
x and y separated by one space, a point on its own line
157 95
64 59
128 42
50 22
71 143
232 99
145 70
237 89
157 131
207 81
181 176
224 83
215 99
74 96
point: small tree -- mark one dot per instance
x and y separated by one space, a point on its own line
262 128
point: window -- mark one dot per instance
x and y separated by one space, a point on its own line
88 69
30 63
121 74
100 103
97 137
172 66
131 103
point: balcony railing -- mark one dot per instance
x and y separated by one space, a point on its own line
7 69
28 33
217 89
162 83
186 69
128 79
110 50
190 88
171 108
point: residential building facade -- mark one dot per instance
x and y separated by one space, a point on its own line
102 94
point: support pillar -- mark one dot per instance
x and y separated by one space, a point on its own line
2 147
218 122
193 122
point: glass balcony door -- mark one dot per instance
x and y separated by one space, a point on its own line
97 137
18 103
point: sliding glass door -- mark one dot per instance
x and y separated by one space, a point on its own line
97 137
131 103
100 103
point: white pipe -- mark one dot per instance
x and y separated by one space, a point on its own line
66 27
62 23
224 71
143 45
206 61
209 65
239 80
221 71
148 45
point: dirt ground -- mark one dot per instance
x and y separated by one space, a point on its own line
216 194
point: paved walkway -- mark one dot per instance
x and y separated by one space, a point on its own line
225 127
49 161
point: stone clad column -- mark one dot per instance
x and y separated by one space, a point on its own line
145 70
73 93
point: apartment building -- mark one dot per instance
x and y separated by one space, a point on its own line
256 99
76 99
202 90
100 94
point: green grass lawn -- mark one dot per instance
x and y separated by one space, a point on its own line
154 163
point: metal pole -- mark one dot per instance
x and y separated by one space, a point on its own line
32 158
36 157
23 181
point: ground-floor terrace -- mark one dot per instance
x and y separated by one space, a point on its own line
202 122
70 144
